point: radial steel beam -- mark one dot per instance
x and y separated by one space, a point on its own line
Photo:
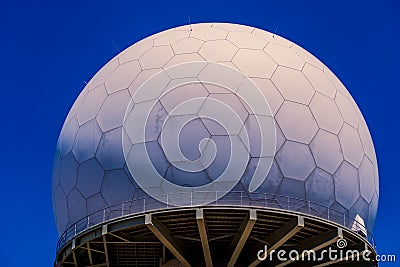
278 238
74 257
240 238
89 253
201 225
168 240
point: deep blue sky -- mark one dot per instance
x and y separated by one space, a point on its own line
48 48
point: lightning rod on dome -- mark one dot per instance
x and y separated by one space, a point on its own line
115 46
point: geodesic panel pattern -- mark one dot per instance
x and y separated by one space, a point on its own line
323 153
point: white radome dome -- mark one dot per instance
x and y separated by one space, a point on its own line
324 152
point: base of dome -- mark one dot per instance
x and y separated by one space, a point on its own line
217 236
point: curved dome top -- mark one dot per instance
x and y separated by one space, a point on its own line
323 151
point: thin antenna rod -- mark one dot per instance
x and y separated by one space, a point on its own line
276 29
190 24
115 46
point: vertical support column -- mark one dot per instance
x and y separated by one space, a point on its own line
104 231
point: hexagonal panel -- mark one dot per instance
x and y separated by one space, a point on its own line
222 157
90 175
193 26
251 135
189 138
366 140
280 138
216 89
284 56
101 76
295 160
308 57
233 27
320 188
156 57
341 210
76 206
75 107
254 63
68 135
293 85
347 188
360 208
351 145
336 82
157 157
87 140
169 37
366 173
109 152
113 110
215 73
141 78
296 122
123 76
233 102
136 51
338 213
190 179
292 188
55 181
229 64
219 50
326 113
187 45
347 110
270 92
60 208
246 40
272 38
214 127
373 207
208 34
183 58
270 184
68 172
91 104
155 122
181 93
319 81
326 151
116 187
95 203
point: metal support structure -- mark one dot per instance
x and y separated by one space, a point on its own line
168 240
227 236
74 257
89 253
121 238
240 238
278 238
201 225
104 231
